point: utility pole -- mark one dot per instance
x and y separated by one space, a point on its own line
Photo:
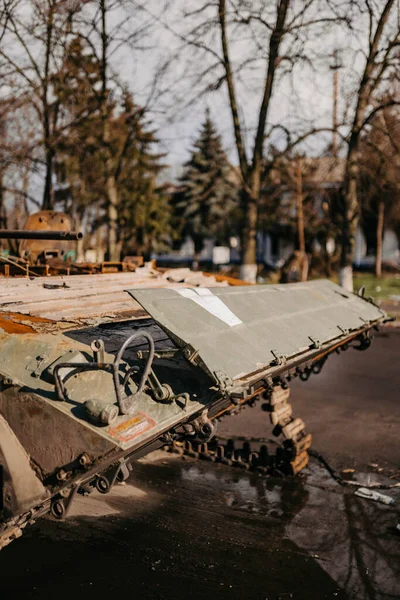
299 198
335 68
300 220
379 239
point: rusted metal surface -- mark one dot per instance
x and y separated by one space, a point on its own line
24 489
46 221
227 279
80 297
20 323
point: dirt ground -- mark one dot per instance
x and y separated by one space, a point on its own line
187 529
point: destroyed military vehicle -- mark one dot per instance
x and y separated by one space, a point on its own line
98 370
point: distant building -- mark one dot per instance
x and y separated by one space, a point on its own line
322 178
322 181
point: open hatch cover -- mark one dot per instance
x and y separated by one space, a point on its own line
239 330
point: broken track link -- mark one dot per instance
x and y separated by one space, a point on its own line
296 440
9 536
15 528
289 459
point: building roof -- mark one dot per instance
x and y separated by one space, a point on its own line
324 170
318 172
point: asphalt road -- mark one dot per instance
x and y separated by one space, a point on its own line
187 529
352 408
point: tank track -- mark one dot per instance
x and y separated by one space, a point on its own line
289 458
14 528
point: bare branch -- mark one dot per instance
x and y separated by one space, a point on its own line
377 110
275 41
231 90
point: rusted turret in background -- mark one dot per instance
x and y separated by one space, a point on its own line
40 249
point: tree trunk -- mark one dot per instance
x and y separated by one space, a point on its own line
350 219
111 184
3 217
198 242
252 175
248 267
99 245
196 261
48 196
22 203
112 221
248 270
371 78
379 239
299 198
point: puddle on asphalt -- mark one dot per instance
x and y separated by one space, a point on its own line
353 540
248 492
220 528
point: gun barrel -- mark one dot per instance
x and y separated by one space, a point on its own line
21 234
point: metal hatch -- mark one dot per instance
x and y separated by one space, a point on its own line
238 330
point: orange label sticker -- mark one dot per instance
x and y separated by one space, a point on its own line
132 428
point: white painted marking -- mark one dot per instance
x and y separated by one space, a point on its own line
214 305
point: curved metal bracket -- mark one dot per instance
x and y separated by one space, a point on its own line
127 403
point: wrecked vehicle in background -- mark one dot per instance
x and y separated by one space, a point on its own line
48 246
99 370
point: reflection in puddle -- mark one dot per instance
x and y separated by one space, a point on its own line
272 497
352 539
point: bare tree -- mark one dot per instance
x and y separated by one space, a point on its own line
35 35
34 61
251 174
232 38
380 62
114 24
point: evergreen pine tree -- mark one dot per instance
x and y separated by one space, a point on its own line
207 197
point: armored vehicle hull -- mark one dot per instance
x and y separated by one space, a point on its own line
97 371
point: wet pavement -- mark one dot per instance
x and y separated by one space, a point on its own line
190 529
352 408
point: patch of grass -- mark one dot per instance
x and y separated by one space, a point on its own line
379 289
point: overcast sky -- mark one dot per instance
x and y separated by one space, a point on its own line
303 97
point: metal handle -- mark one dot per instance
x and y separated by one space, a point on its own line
127 403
